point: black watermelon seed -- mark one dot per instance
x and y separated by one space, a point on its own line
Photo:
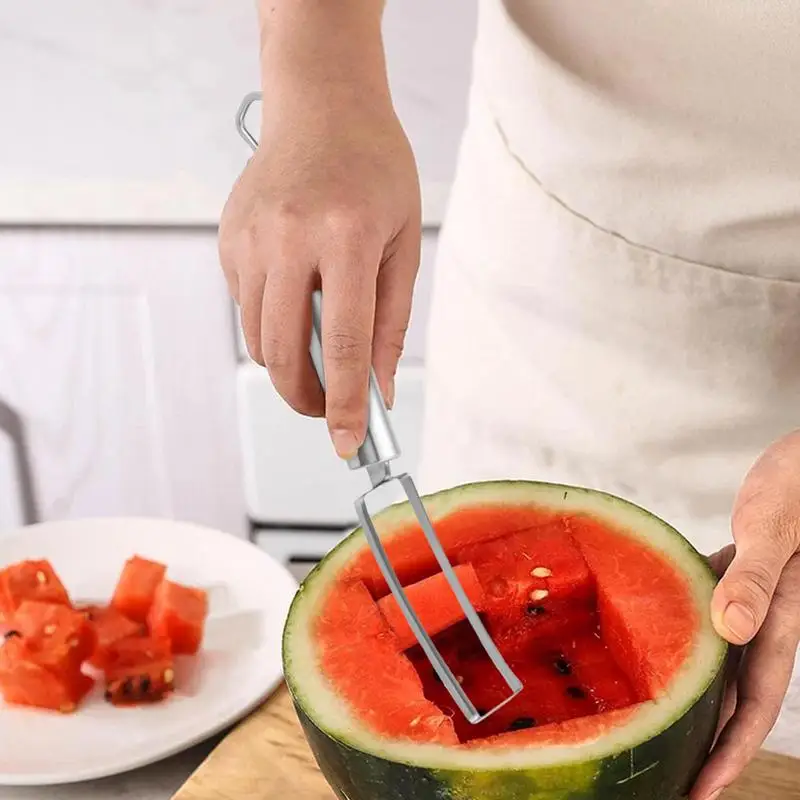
107 694
521 723
576 692
535 611
563 666
145 684
12 634
127 687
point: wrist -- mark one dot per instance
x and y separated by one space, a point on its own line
328 47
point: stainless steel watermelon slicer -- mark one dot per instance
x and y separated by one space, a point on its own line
379 448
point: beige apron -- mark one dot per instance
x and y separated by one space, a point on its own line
617 294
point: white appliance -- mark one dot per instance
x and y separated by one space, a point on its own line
299 495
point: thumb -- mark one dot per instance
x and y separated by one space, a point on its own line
743 597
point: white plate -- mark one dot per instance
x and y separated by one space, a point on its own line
238 666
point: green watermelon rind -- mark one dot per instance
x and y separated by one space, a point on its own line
654 755
662 768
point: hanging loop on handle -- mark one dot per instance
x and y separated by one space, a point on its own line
241 119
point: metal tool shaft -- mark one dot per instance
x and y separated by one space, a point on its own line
380 441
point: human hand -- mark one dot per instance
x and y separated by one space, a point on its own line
756 607
330 200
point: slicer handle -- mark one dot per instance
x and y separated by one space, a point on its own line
380 444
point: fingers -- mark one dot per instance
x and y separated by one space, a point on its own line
766 671
231 280
285 337
730 698
742 598
395 291
273 257
721 560
251 294
348 315
275 301
728 709
229 246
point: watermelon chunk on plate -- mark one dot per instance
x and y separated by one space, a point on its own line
32 674
61 634
179 614
110 626
137 586
138 670
33 579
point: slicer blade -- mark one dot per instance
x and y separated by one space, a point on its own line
450 681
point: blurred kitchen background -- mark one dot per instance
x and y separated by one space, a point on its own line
125 388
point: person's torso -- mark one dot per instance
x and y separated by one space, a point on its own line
673 123
617 288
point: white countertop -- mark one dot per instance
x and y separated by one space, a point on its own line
156 782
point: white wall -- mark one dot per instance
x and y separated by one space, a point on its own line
117 351
122 110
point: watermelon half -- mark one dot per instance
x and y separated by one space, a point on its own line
600 608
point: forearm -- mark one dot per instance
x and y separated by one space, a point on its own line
322 45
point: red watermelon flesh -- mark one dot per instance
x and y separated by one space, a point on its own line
57 632
136 587
550 600
365 646
535 567
179 614
439 615
649 626
412 558
33 674
34 579
110 626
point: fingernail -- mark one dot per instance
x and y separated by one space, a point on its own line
739 620
716 794
390 395
345 442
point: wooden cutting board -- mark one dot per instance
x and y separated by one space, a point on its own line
267 758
